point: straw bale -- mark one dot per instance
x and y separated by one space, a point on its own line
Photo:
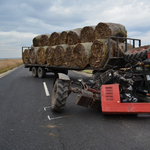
87 34
25 56
103 30
81 54
73 36
53 38
59 54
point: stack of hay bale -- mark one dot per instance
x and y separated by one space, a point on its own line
80 47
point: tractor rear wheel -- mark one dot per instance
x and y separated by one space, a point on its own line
59 95
137 54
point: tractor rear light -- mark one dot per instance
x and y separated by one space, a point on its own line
141 64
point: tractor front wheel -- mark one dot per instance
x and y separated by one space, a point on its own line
59 95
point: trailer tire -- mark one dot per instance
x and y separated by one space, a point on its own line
59 95
41 72
137 54
34 72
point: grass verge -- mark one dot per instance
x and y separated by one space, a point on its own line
6 69
8 64
87 71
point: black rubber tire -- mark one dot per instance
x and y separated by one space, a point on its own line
41 72
137 54
34 72
59 95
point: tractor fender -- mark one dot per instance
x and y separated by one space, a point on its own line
62 76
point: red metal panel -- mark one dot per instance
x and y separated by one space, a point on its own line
148 54
111 103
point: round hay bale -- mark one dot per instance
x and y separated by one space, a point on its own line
32 54
122 46
81 54
25 56
68 57
37 41
87 34
103 30
99 52
73 36
59 54
53 38
62 39
44 39
41 55
50 55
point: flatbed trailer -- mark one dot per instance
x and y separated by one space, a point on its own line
41 70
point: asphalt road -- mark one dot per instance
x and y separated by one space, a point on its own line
27 122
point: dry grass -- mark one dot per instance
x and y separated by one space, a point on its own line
8 64
88 71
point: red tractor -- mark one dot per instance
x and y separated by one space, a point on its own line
122 86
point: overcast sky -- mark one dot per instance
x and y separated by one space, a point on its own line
22 20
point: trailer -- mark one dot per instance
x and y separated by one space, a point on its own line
41 70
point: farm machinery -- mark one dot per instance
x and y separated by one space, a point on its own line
121 86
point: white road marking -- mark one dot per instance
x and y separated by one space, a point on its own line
46 89
49 118
46 108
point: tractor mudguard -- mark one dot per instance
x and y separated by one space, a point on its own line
62 76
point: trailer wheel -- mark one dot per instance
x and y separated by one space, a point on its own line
41 72
34 72
59 95
137 54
